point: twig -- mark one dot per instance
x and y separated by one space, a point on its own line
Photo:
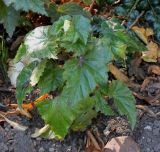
93 140
91 6
146 109
136 20
134 6
155 98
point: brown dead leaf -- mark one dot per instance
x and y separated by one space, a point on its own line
149 32
122 144
150 100
92 144
155 69
146 81
141 33
117 73
121 76
146 109
152 54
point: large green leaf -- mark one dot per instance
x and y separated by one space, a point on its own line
38 72
51 78
73 33
83 74
124 100
85 114
60 115
9 17
40 44
72 9
20 53
78 28
118 37
102 106
28 5
23 82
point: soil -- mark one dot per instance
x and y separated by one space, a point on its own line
146 133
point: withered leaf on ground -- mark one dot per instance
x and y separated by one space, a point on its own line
155 69
152 54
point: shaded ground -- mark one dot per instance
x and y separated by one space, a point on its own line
146 133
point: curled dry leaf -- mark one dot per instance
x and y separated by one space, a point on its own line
14 124
154 69
24 112
39 132
141 33
152 54
146 81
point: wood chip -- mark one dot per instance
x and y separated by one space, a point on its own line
122 144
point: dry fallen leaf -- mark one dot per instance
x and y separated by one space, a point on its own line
14 124
122 144
39 132
146 81
149 32
141 33
155 69
152 54
92 144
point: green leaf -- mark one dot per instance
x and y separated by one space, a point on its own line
73 9
102 106
29 5
83 74
37 72
83 120
40 44
9 18
20 53
82 26
60 115
85 114
124 100
79 28
51 78
23 82
119 39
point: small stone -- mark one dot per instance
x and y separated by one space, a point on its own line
41 149
38 138
51 149
149 128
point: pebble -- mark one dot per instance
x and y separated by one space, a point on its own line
41 149
149 128
51 149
